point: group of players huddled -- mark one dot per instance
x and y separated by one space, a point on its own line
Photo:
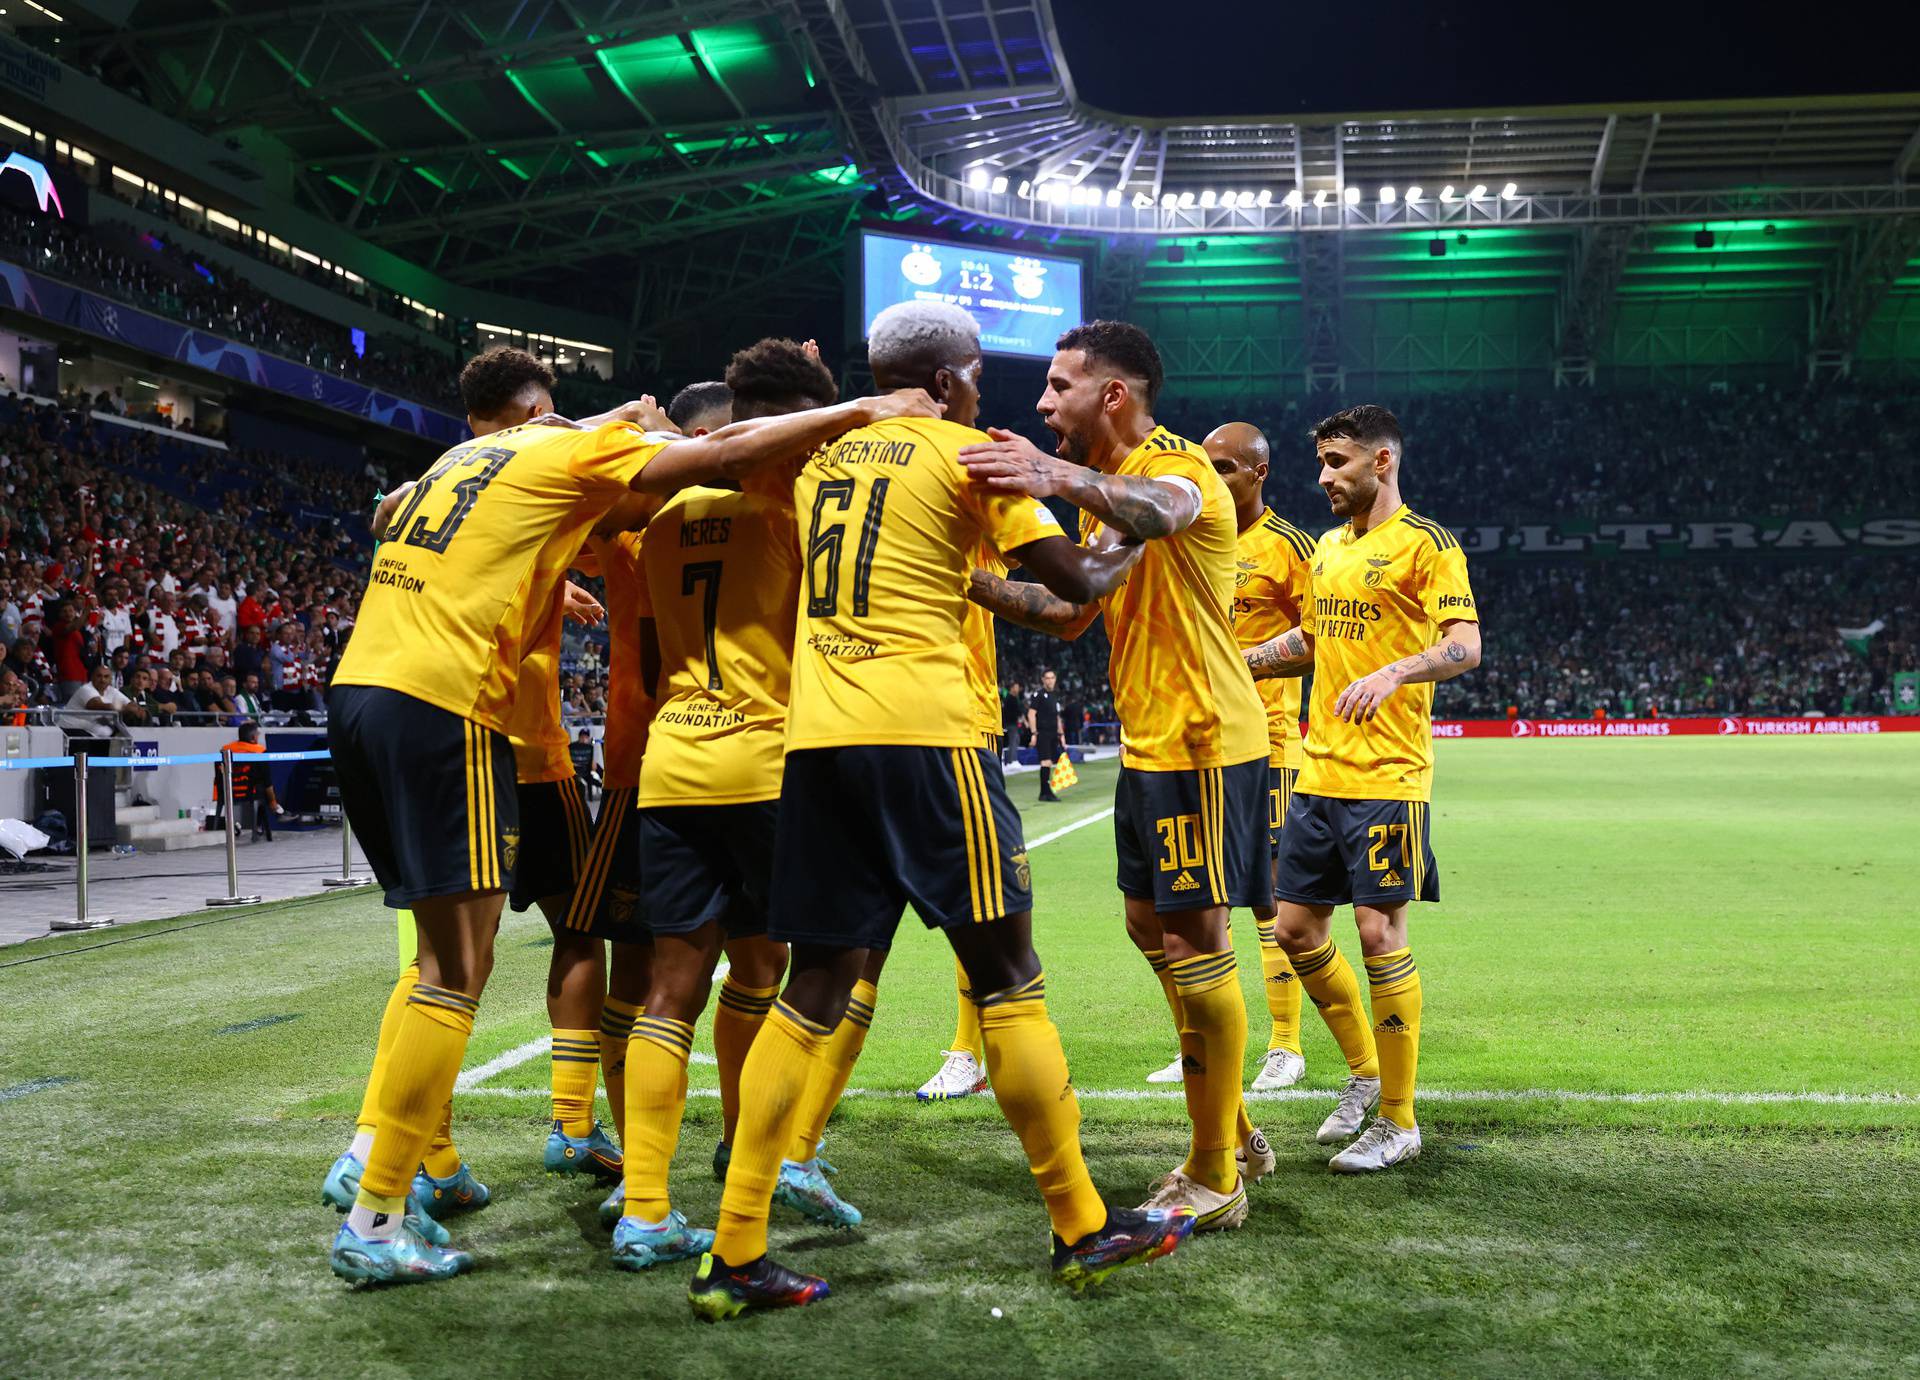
802 741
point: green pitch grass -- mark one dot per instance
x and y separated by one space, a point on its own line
1640 943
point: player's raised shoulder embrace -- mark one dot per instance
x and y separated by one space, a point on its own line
1390 615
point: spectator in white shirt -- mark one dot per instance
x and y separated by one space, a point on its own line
101 696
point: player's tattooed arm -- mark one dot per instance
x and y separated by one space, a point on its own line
738 448
1456 653
1280 658
1031 606
1137 505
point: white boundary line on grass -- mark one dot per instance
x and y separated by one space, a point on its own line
1723 1099
470 1080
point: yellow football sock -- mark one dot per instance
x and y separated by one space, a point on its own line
576 1061
1035 1093
1213 1042
616 1024
442 1159
966 1026
1328 979
737 1018
786 1055
656 1100
383 1050
1282 989
427 1049
1393 984
843 1051
1157 958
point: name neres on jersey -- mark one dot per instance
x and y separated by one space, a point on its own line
706 531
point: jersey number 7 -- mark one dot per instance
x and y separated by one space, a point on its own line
825 540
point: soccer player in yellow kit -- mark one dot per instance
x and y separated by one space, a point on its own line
887 801
1269 589
1391 615
723 577
471 566
1193 764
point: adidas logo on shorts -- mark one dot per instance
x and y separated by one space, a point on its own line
1392 879
1184 882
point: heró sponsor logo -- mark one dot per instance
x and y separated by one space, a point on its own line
1455 601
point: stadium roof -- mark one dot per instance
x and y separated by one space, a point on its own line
662 159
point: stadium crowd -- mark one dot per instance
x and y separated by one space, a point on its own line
230 582
151 272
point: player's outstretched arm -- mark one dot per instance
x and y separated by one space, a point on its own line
739 448
1280 658
1031 606
1138 505
1456 653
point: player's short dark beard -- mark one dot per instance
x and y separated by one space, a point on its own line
1075 447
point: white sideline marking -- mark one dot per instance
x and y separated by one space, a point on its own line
471 1079
1723 1099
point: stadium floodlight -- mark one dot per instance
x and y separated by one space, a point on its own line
1351 196
1387 195
1265 199
1478 193
1292 200
1206 197
1186 201
1248 201
1320 197
1113 196
979 179
999 187
1143 201
1168 201
1026 188
1446 192
1510 192
1414 194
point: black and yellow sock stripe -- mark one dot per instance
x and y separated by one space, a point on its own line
676 1037
426 994
483 828
1034 989
1202 970
811 1027
1390 968
1307 964
590 878
1157 958
616 1024
1213 824
1268 938
986 888
860 1013
573 809
567 1051
746 1001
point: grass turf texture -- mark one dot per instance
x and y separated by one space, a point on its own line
1621 917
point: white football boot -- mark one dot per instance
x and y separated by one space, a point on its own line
1172 1073
1384 1144
1282 1068
1359 1099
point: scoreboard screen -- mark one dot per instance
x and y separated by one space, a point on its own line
1022 300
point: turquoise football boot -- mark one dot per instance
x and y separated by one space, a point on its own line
442 1198
804 1188
613 1205
594 1153
404 1259
638 1244
342 1186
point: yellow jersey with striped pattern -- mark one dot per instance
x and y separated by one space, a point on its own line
1270 586
1180 687
629 707
480 549
533 724
983 658
1378 596
723 578
889 526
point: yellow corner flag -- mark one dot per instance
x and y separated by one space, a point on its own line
1063 773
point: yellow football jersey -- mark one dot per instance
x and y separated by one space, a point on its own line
1270 589
723 576
890 526
1378 597
484 541
983 657
533 725
1180 686
629 707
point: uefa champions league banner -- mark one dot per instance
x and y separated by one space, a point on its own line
1726 727
56 301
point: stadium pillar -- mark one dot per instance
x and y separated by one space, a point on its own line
81 920
233 896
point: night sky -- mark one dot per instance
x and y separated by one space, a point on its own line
1259 57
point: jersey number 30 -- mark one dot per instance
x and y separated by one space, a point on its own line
825 539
